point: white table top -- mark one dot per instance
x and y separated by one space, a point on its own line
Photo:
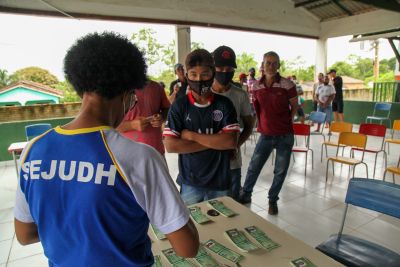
291 248
16 147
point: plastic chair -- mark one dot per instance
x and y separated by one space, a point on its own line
34 130
392 169
353 140
380 108
336 127
318 117
349 250
376 130
303 130
392 140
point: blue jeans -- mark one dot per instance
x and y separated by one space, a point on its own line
236 176
327 111
283 145
192 194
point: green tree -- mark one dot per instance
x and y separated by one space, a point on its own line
69 93
387 65
343 68
244 62
148 45
4 78
196 45
35 74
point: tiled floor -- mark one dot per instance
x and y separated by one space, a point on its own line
309 208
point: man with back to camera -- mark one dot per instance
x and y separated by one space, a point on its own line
337 104
275 103
203 128
86 192
178 87
225 64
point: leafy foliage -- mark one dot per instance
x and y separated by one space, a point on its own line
69 93
5 79
35 74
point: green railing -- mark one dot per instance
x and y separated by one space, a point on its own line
386 92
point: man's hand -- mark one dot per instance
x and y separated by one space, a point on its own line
156 120
187 135
176 88
140 123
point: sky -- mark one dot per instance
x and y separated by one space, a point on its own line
43 41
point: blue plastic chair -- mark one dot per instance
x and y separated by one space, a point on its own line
380 108
34 130
349 250
318 117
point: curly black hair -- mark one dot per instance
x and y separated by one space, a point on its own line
106 63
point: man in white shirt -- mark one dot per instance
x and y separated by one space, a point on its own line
325 95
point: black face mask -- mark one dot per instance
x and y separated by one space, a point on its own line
224 78
201 87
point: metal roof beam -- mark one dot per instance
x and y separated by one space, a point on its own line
392 5
305 3
342 7
396 52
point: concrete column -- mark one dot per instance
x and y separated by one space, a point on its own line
321 54
182 48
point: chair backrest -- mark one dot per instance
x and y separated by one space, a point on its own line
383 106
380 196
301 129
396 125
341 126
34 130
317 116
352 139
372 129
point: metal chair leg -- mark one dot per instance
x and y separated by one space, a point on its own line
384 175
376 157
327 167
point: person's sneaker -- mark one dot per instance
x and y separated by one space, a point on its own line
244 197
273 208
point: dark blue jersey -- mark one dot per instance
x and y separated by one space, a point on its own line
210 168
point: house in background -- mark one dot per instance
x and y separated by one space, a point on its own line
25 93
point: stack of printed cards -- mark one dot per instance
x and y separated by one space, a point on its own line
221 208
197 215
175 260
157 233
302 262
261 238
223 251
239 239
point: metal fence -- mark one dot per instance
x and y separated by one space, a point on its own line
386 92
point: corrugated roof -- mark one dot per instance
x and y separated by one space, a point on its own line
333 9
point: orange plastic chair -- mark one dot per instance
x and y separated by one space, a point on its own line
392 140
336 127
303 130
355 140
392 169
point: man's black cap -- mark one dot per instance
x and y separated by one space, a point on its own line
224 56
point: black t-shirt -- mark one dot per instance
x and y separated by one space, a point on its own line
210 168
338 84
182 88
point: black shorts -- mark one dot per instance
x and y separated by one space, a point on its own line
337 106
315 105
300 112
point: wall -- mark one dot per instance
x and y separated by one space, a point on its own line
348 94
356 111
38 112
24 95
11 132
